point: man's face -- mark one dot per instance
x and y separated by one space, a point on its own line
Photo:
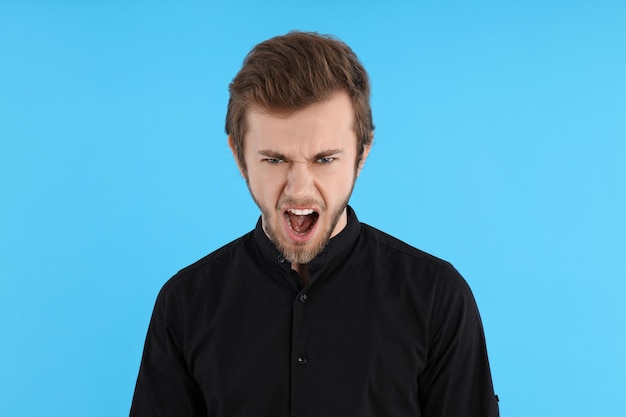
301 169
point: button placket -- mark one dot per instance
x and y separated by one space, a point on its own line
300 368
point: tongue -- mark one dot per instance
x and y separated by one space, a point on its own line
300 224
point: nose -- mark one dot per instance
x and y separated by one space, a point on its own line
300 183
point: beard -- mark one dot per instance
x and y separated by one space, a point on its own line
305 252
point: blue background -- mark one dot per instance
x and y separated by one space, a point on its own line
500 146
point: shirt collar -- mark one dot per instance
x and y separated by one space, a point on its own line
338 245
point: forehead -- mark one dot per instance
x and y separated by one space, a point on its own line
325 123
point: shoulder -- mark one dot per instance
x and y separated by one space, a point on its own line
194 276
388 245
400 259
219 256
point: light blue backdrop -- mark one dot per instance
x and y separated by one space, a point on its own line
500 146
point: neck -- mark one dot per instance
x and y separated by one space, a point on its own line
303 272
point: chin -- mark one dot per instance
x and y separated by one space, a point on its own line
301 252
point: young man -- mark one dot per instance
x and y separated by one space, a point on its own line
312 313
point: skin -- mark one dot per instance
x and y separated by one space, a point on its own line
305 159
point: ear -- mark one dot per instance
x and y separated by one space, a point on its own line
231 145
366 152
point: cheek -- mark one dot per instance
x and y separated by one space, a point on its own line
265 185
335 187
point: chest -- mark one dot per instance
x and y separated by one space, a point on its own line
344 343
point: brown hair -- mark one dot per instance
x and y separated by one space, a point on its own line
292 71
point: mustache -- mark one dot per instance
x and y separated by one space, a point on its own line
308 202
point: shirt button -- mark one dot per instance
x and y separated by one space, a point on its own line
303 298
302 360
281 258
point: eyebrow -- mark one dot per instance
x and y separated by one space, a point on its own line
271 154
323 154
329 152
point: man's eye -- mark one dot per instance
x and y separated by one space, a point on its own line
326 160
273 161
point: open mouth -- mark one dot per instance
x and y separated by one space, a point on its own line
301 221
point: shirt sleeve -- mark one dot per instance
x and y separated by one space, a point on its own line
164 386
457 379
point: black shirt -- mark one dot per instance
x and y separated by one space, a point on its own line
382 329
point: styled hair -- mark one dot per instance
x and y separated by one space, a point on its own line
290 72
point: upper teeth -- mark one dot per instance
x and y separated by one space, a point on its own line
299 212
